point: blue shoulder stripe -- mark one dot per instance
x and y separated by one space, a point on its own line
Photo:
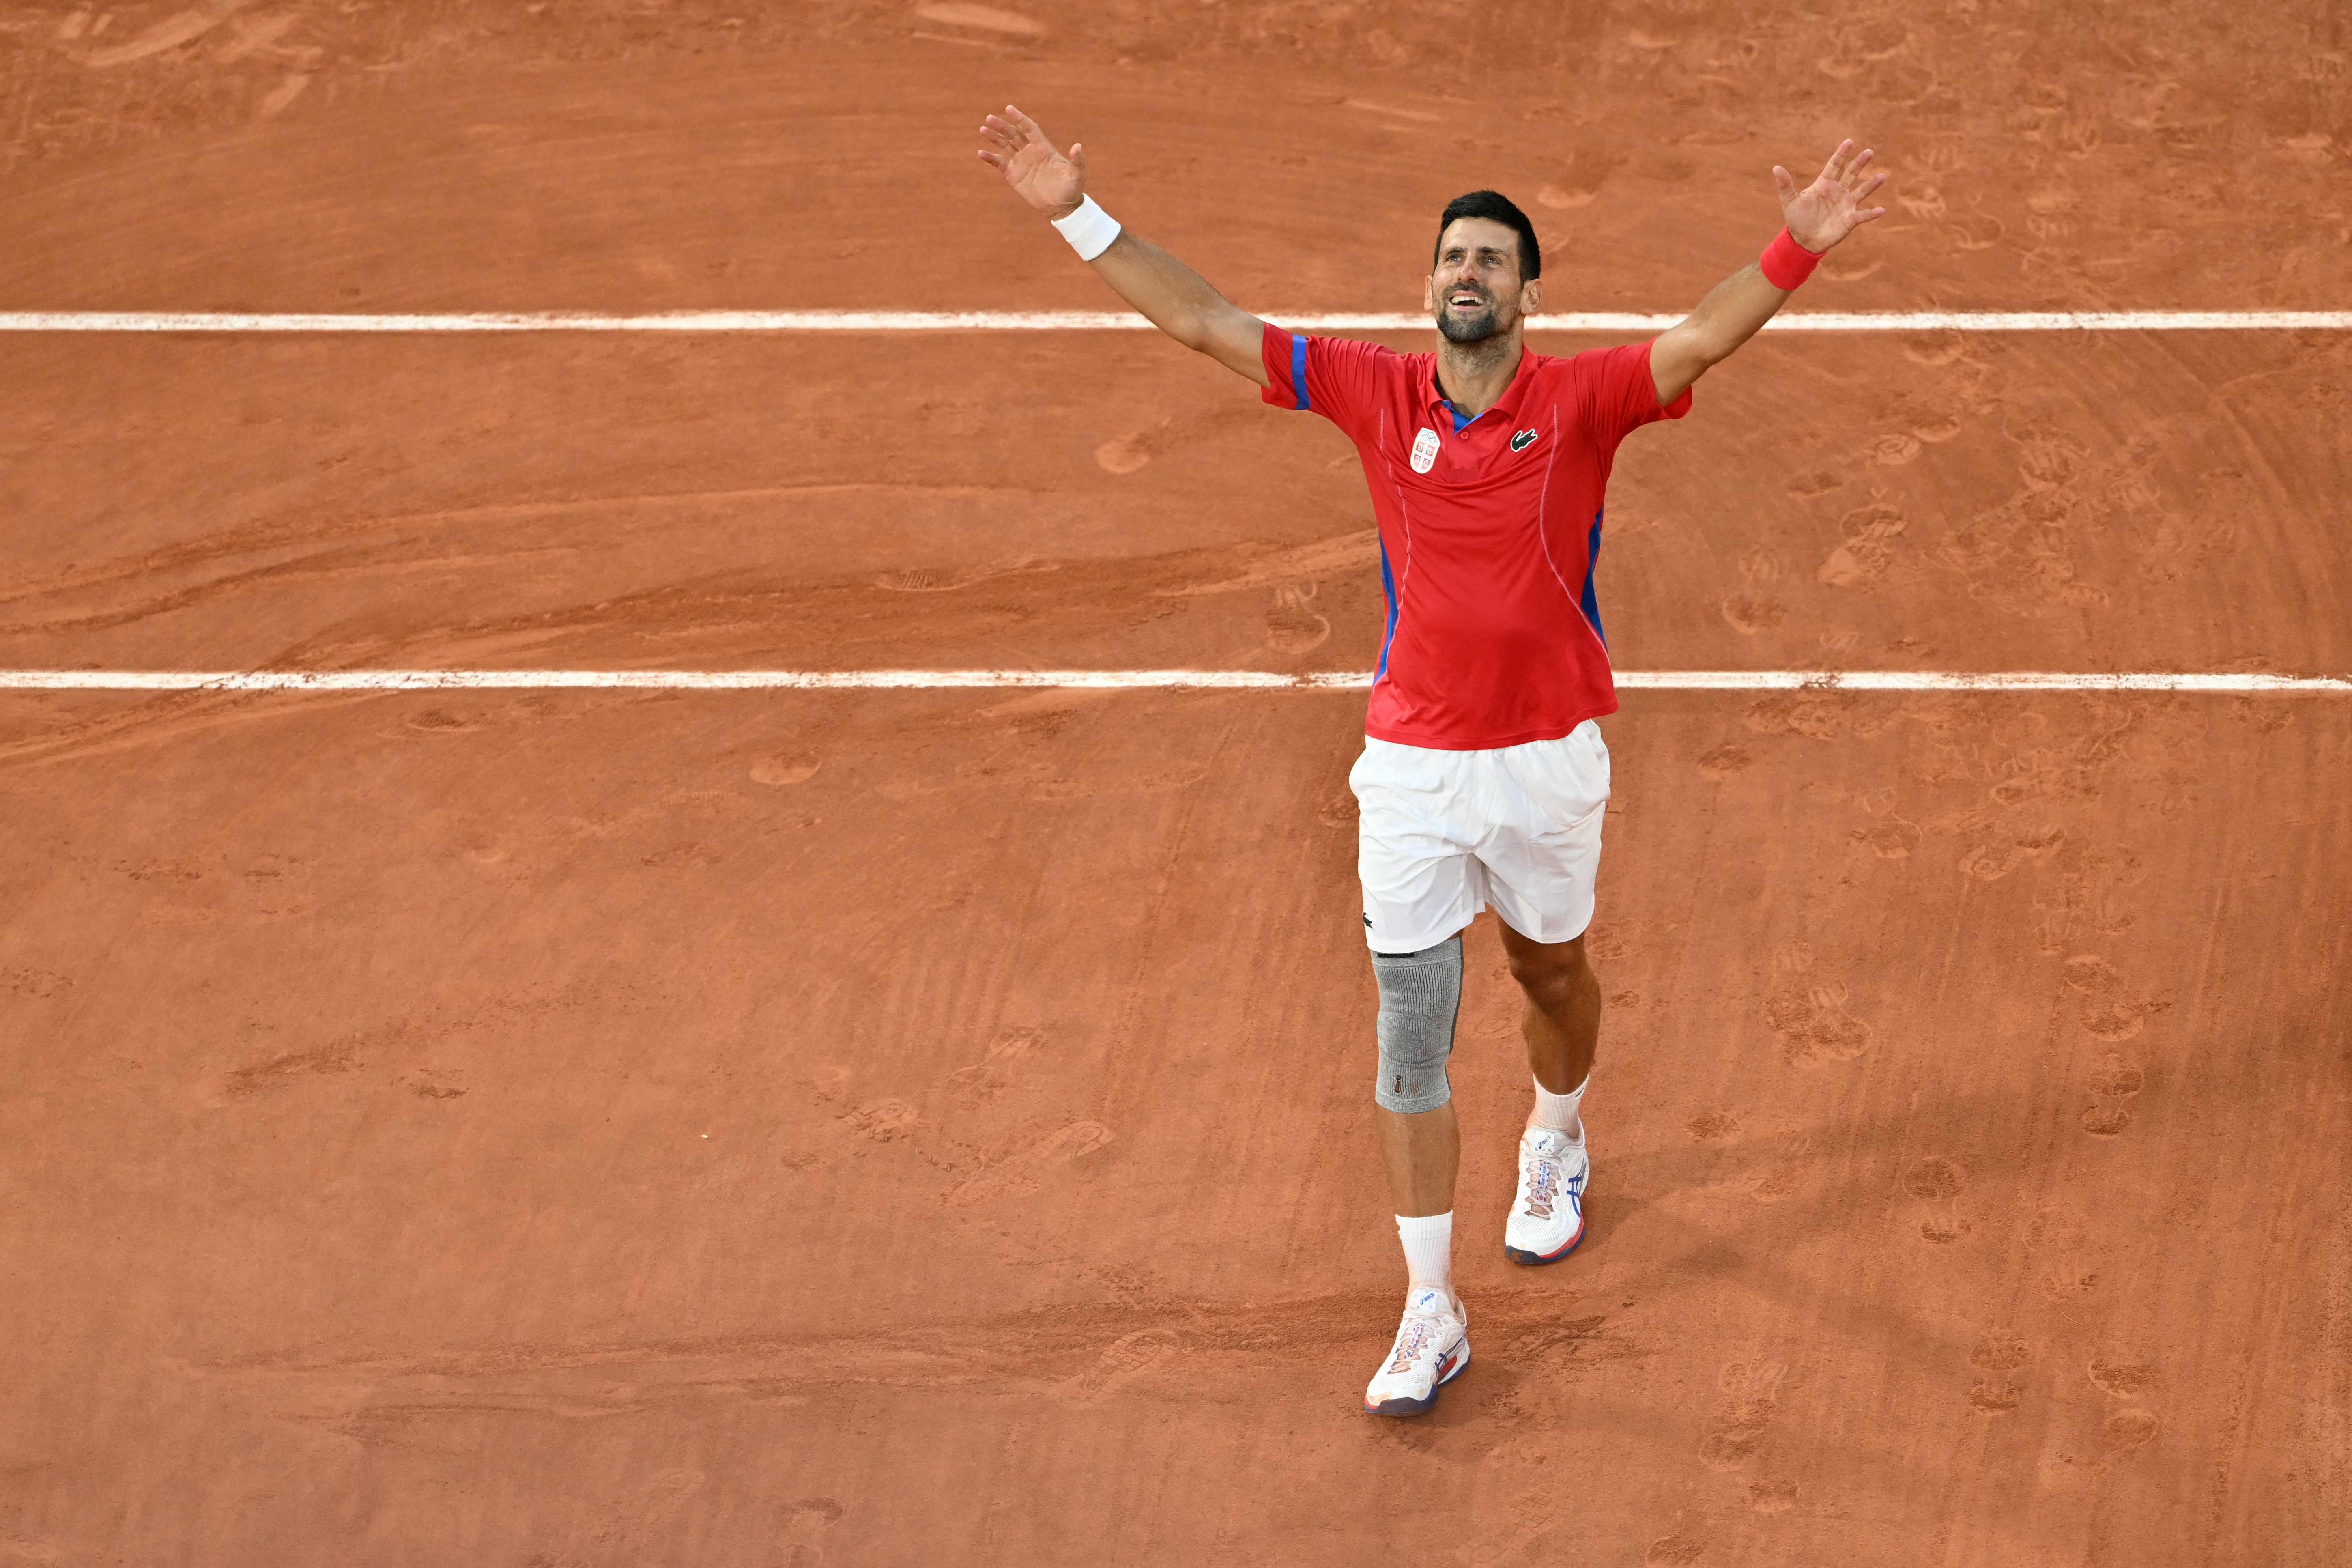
1298 369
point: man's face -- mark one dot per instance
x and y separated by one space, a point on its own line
1474 290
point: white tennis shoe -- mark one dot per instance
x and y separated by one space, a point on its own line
1547 1216
1433 1346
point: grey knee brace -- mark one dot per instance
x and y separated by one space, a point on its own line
1421 993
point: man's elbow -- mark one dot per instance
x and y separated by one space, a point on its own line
1217 331
1708 350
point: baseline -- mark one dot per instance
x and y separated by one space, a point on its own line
1123 320
298 680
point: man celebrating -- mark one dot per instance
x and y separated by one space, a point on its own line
1483 776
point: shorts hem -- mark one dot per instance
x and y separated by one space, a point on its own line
1584 926
1373 940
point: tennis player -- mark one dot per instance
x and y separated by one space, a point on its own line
1484 779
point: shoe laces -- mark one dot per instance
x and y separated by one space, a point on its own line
1411 1340
1543 1184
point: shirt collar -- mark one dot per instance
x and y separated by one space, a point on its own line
1507 404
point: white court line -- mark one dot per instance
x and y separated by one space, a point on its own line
1122 320
299 680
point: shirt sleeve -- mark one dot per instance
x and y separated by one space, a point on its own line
1336 377
1620 395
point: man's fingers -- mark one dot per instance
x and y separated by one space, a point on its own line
1029 128
1859 159
1005 140
1869 185
1837 161
1868 214
1782 178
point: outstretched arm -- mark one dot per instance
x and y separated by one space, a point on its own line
1171 295
1820 215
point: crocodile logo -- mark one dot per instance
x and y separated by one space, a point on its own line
1522 439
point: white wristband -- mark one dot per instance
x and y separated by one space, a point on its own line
1089 229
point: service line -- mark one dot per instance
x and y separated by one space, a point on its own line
298 680
1122 320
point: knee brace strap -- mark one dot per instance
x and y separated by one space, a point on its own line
1421 994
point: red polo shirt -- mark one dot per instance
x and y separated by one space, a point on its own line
1488 535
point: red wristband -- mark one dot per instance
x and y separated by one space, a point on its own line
1785 263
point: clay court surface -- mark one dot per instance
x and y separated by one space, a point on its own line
783 1128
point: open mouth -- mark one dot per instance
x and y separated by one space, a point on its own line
1465 300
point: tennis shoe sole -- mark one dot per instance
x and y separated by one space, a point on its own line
1447 1371
1537 1260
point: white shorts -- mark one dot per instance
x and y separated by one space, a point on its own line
1441 835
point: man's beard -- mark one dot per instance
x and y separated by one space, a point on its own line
1487 324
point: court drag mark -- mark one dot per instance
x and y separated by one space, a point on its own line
294 680
604 502
1122 320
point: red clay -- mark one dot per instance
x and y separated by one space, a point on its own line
872 1129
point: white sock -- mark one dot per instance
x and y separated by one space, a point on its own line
1559 1112
1428 1251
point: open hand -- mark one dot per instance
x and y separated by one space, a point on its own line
1831 207
1041 175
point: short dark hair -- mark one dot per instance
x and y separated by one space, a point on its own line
1498 208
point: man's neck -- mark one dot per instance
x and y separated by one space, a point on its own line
1472 375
